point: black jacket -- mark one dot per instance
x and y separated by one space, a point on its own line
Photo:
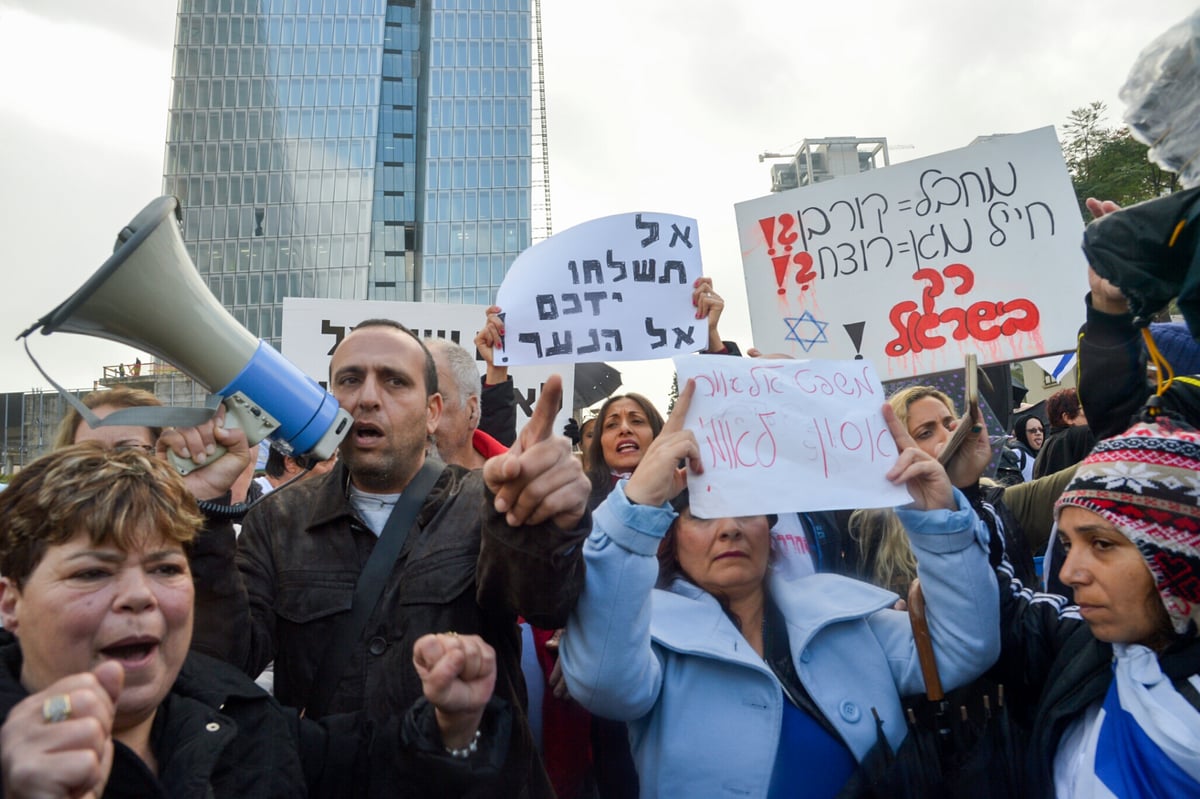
1015 541
1064 446
498 411
218 735
462 568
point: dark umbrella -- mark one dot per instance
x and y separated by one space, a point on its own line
960 745
594 382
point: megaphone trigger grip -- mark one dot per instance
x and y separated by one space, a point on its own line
240 413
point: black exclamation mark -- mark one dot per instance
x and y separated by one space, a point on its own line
855 331
502 356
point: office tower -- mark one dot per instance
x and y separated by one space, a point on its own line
353 149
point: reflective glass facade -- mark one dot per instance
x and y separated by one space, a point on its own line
476 198
354 149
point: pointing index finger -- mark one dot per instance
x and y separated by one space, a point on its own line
897 429
679 412
541 425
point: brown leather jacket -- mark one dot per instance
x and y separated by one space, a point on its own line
462 568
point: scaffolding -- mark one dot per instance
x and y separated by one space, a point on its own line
819 160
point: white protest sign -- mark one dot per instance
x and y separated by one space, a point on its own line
780 435
612 289
914 265
311 328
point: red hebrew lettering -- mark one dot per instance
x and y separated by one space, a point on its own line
983 320
1026 323
963 273
933 290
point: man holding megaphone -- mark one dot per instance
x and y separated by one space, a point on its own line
334 578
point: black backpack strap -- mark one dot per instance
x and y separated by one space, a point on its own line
1188 691
370 586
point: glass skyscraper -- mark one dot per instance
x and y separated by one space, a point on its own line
352 149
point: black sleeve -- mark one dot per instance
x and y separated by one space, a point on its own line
218 586
826 532
1112 371
498 411
731 348
1032 632
346 756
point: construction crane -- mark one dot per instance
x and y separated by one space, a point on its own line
541 223
764 156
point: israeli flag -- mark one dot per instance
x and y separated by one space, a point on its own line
1149 735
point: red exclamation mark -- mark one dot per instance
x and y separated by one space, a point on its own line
768 229
787 236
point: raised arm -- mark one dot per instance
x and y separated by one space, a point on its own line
606 654
951 545
222 622
534 522
497 402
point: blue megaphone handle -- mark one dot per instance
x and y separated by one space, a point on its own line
304 410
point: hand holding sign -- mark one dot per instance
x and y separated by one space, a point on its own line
916 470
659 478
539 479
709 306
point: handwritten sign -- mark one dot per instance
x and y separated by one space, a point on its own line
780 435
311 328
612 289
911 266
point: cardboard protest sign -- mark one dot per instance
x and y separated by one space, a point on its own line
782 435
976 249
617 288
311 328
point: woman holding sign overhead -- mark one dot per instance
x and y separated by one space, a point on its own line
735 679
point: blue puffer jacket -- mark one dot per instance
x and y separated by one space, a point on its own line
704 710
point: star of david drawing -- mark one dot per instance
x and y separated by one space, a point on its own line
806 323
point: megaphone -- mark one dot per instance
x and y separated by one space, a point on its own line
149 295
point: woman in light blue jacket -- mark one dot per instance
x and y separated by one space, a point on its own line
736 682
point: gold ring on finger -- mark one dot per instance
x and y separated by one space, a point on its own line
57 708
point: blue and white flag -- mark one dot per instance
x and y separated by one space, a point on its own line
1149 735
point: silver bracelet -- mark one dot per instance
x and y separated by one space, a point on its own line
467 750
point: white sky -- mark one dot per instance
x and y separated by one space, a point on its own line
655 106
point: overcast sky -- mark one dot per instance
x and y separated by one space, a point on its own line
654 106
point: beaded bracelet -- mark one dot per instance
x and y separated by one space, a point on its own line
467 750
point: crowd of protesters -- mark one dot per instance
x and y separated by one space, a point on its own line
559 623
455 607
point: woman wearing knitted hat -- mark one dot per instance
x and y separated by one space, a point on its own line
1112 687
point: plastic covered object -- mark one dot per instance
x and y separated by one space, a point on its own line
1151 252
1162 98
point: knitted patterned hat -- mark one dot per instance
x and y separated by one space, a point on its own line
1146 483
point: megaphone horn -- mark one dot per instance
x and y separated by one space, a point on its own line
149 295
